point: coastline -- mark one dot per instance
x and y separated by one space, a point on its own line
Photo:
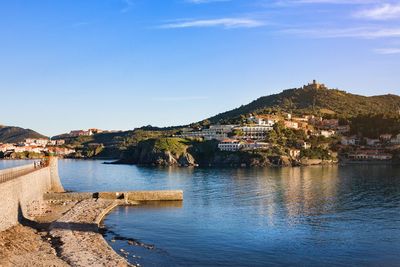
58 233
64 223
296 163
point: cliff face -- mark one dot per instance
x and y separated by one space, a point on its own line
160 152
203 154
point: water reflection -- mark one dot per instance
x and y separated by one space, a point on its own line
314 216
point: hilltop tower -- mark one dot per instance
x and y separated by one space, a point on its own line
315 85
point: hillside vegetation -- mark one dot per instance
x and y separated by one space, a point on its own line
10 134
315 101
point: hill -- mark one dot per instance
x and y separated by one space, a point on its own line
11 134
315 99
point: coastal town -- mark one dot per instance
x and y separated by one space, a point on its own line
254 135
37 147
297 137
258 132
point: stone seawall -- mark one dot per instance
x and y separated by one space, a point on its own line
24 193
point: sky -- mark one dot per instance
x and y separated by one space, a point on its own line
121 64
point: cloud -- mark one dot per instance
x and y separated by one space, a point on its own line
222 22
382 12
179 98
332 2
362 32
388 51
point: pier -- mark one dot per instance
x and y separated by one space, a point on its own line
33 196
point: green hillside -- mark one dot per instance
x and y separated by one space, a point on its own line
316 101
11 134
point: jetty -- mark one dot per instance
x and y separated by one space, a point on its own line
43 225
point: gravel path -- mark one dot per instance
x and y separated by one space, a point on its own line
80 242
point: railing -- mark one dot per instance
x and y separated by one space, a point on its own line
10 174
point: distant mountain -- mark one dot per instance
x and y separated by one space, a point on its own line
316 99
11 134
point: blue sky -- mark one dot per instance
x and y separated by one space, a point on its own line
121 64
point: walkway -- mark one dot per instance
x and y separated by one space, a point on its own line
10 174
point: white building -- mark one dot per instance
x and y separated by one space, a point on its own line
370 155
217 132
264 120
255 145
372 142
37 142
255 132
59 151
349 141
6 147
35 149
230 145
327 133
59 142
193 134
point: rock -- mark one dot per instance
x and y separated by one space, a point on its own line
186 160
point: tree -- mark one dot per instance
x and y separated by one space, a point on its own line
272 137
236 132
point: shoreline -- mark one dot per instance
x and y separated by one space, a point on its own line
64 223
57 234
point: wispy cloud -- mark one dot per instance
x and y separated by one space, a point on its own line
387 51
382 12
362 32
221 22
179 98
332 2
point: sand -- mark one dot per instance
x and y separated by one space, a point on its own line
61 234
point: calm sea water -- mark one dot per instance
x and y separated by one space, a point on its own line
5 164
311 216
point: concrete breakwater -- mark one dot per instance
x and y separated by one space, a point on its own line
62 228
128 197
